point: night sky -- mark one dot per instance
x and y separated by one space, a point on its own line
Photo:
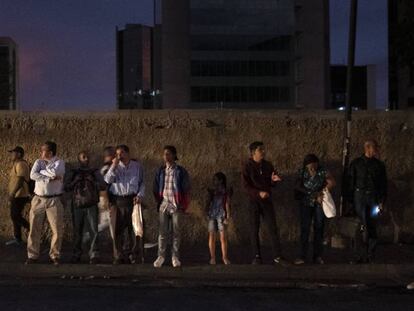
67 47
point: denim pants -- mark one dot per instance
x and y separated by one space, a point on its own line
169 226
82 217
366 243
307 214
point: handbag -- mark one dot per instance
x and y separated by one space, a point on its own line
328 204
137 220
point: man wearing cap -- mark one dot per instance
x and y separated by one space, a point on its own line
48 173
18 193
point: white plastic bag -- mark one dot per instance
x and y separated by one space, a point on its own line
137 220
328 204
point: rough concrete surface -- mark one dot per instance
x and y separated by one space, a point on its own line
217 140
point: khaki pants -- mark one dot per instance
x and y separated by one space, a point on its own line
52 208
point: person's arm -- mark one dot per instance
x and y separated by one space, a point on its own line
71 185
299 183
100 182
228 207
156 187
330 181
110 175
247 183
141 184
35 173
56 170
19 184
383 184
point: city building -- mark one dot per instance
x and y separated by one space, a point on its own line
9 74
134 66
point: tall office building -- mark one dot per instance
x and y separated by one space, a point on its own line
245 53
9 74
134 66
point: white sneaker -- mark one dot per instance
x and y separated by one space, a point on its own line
176 262
410 286
159 262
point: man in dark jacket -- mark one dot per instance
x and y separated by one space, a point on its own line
85 184
368 191
258 177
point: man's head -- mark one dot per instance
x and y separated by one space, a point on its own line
170 154
311 163
17 153
257 150
108 154
48 150
371 148
83 159
122 152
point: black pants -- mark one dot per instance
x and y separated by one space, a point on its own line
366 243
81 217
125 245
264 210
307 214
16 210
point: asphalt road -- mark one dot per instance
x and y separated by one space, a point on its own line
37 297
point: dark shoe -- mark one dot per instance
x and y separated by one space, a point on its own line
280 261
30 261
318 261
118 261
55 261
257 260
94 261
75 260
358 261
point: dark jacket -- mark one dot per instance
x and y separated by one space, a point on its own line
368 175
257 177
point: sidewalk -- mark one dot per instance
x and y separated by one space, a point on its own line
394 268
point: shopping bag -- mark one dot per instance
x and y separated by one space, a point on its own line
328 204
137 220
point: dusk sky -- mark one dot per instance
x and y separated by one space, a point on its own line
67 47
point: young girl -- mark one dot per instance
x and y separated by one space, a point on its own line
218 213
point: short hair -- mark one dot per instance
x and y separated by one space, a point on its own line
51 146
125 148
109 150
83 152
371 143
222 178
254 145
310 158
171 149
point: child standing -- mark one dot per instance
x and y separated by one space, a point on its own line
218 213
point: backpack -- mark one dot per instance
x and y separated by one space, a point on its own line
85 192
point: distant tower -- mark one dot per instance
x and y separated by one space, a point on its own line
9 74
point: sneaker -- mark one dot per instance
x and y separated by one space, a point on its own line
75 260
14 242
226 261
280 261
30 261
212 261
55 261
410 286
159 262
176 262
299 261
257 260
319 261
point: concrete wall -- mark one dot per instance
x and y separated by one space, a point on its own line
210 141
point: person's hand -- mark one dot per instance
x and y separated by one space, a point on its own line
276 177
264 195
115 161
381 208
137 200
57 178
319 197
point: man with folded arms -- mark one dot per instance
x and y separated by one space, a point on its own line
126 180
48 173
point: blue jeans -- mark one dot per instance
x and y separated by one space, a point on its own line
307 213
169 225
85 216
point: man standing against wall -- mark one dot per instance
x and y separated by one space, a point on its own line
48 173
126 179
18 193
368 191
172 194
258 177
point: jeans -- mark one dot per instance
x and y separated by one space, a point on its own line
307 213
264 209
366 243
167 223
16 210
88 216
124 239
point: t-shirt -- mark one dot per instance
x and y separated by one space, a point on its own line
20 169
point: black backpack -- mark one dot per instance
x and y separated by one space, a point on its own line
85 192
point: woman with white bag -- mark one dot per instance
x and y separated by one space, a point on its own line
312 191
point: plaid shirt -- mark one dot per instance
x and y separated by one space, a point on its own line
168 203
